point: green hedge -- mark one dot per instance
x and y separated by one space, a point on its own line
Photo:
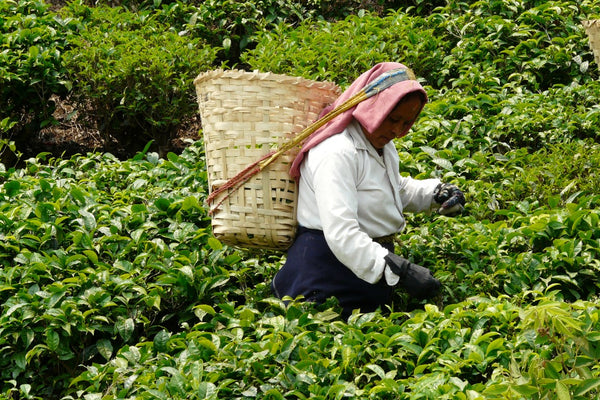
131 63
32 40
462 46
112 287
134 75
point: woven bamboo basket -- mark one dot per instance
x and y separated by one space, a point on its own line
244 116
592 28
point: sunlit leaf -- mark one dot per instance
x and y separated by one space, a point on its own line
105 348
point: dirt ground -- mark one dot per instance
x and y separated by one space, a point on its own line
72 135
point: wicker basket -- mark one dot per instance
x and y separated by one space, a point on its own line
244 116
592 28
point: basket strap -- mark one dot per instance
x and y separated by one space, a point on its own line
381 83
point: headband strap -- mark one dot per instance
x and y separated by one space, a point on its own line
388 79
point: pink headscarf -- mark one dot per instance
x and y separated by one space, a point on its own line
370 113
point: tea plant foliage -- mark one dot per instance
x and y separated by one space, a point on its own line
32 40
112 286
133 74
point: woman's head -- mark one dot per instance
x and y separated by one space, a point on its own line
398 122
370 113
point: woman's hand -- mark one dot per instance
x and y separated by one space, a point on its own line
450 198
416 280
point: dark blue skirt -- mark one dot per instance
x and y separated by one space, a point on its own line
313 271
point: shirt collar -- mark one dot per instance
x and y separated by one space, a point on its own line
362 143
360 140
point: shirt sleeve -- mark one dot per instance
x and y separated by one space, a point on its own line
417 194
335 176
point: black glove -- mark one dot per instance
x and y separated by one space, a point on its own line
416 280
450 198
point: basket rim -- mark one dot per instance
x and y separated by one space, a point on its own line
591 22
263 76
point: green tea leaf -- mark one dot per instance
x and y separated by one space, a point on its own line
214 244
12 188
190 202
443 163
91 255
52 339
162 204
125 328
77 194
496 389
562 392
161 340
89 220
105 348
587 386
525 389
202 310
377 369
206 390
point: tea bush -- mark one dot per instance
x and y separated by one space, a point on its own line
135 75
461 45
91 262
32 40
534 45
110 275
232 25
321 50
8 148
477 348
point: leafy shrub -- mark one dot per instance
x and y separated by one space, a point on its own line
135 76
533 248
321 50
473 347
532 46
32 39
459 125
8 149
91 261
232 25
109 275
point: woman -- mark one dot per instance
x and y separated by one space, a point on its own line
351 203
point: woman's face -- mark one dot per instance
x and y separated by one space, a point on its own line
396 124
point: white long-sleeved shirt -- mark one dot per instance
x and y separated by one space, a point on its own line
353 194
